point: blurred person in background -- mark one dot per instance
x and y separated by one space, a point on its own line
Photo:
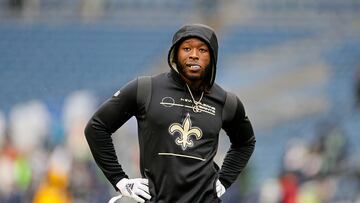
179 114
54 186
314 172
357 88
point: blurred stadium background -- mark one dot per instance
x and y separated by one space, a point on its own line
294 64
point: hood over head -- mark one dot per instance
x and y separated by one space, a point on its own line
204 33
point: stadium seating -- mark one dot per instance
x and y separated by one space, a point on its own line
40 59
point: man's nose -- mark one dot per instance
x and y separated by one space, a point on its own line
194 54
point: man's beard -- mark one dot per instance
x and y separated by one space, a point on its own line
182 72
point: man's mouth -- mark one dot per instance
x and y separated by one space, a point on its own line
194 67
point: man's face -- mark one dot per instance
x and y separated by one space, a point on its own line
193 58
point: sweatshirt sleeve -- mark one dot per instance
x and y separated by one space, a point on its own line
110 116
242 139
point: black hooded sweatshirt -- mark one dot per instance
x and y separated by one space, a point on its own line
177 141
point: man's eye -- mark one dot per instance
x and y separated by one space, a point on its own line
186 49
203 50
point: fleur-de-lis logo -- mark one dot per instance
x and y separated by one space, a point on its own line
185 130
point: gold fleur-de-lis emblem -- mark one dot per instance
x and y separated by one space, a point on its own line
186 131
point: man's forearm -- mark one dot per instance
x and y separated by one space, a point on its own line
103 151
235 161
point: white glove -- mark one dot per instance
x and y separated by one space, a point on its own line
137 189
220 189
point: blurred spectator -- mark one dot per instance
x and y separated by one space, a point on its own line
87 183
295 157
289 187
2 128
15 173
313 173
7 157
54 186
331 144
270 191
78 108
357 88
29 125
24 150
308 193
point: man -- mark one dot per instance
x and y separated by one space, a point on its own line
178 127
